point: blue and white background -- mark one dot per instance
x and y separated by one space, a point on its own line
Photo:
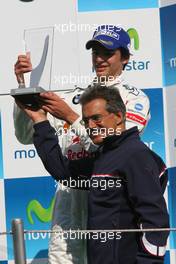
27 190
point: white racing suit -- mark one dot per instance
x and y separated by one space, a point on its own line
70 210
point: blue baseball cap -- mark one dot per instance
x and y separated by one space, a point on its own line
111 37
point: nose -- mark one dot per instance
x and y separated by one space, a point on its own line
98 57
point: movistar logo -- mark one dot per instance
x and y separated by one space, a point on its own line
134 36
172 62
136 65
44 215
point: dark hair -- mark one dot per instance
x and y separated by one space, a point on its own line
111 95
125 54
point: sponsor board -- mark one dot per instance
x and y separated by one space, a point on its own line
50 16
168 38
94 5
1 155
30 199
3 244
153 135
163 3
19 160
169 97
167 258
171 204
172 257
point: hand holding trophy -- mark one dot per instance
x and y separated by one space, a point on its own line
38 61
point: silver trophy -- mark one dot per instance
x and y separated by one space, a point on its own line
39 42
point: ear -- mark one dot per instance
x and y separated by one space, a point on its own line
125 61
119 117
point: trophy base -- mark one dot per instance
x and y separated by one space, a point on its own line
29 97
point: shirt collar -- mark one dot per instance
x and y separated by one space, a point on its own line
115 140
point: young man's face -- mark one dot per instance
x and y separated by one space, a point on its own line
99 122
107 63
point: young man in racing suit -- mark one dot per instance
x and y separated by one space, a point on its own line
110 54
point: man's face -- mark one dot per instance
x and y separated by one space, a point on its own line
107 63
98 121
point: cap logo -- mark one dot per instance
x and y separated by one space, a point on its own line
109 43
111 34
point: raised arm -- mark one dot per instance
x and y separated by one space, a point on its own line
22 123
59 108
46 143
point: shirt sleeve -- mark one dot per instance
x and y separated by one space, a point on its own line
60 167
23 126
146 196
137 109
81 132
